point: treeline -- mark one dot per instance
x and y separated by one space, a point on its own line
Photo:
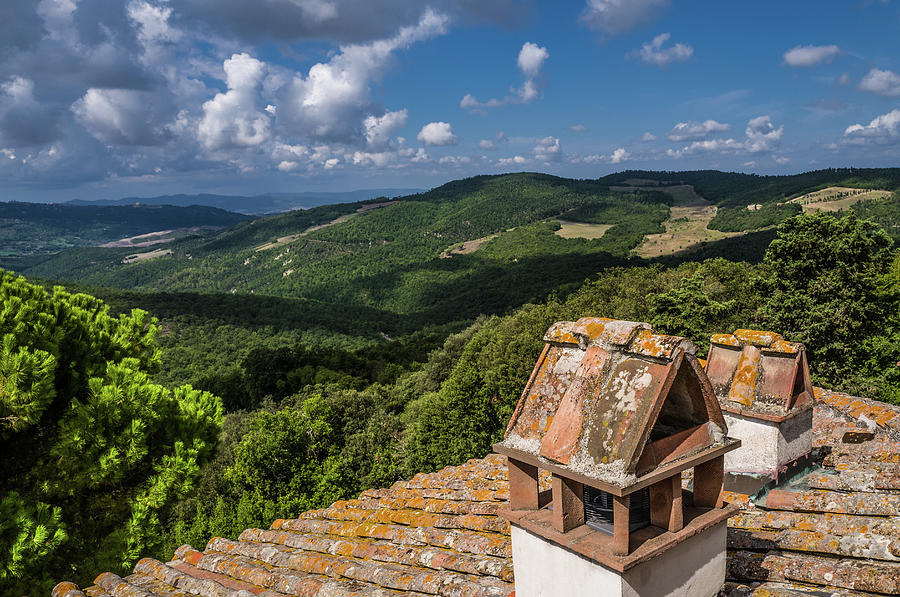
738 219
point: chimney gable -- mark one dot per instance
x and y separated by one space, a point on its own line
604 391
616 412
759 373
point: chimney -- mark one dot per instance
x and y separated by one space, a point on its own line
762 383
615 413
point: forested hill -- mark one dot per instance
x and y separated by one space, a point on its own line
734 189
268 203
402 256
474 246
46 228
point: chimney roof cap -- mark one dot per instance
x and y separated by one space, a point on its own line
597 392
758 373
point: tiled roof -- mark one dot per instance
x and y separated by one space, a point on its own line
759 373
835 532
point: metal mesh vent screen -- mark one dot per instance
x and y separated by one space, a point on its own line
598 509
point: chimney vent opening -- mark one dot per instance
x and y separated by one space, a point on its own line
598 509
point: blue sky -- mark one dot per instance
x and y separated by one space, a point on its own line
147 97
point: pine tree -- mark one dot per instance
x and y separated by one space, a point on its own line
94 453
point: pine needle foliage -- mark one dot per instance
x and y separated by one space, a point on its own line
94 453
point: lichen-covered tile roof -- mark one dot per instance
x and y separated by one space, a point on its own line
598 391
759 373
834 531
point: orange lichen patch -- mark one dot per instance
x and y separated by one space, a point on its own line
743 384
562 332
885 416
828 523
592 327
725 340
757 337
817 500
781 346
648 344
66 589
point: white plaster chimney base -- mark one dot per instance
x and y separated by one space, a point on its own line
767 446
693 568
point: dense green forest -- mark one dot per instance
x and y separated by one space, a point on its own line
732 189
45 228
355 372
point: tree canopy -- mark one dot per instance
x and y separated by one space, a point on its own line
94 452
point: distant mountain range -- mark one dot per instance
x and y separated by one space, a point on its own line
269 203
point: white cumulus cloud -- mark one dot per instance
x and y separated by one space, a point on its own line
437 133
379 129
333 99
696 130
882 82
618 16
547 149
235 118
810 55
516 160
119 116
653 52
618 156
762 134
882 130
531 60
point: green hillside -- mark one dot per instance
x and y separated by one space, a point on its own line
383 272
389 257
46 228
733 189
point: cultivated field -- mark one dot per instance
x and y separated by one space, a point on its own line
581 230
686 226
148 255
470 246
155 238
836 198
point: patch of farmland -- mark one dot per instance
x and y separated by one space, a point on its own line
569 229
465 248
145 256
836 198
686 227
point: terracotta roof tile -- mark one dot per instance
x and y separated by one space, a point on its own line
845 573
834 531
